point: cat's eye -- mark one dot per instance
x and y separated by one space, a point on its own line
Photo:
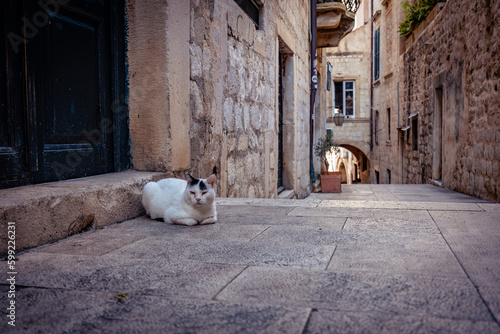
193 193
204 192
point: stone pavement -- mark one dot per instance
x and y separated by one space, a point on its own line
374 259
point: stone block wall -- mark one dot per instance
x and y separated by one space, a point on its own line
454 63
386 157
207 102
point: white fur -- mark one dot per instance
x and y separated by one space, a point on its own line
177 202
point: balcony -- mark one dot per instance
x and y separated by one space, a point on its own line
335 19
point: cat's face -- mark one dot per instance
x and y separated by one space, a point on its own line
200 192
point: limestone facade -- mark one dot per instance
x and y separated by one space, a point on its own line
204 92
451 80
387 111
435 103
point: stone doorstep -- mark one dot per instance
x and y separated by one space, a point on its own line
287 194
48 212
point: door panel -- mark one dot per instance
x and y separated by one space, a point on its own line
74 105
13 163
62 108
74 78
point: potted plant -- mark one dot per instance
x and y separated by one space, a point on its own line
330 183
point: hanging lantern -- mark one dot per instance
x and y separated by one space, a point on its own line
338 118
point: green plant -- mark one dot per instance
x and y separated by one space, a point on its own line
414 14
324 146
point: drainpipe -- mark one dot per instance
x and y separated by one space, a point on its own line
314 85
371 77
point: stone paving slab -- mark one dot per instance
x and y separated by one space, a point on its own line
395 253
158 276
342 212
249 215
490 295
311 203
487 220
490 207
441 206
84 244
479 254
255 252
326 321
358 292
105 312
392 223
152 228
475 240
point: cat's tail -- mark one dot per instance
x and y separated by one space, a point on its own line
148 194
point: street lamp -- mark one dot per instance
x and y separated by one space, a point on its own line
338 118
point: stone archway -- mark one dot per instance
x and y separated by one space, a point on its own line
362 168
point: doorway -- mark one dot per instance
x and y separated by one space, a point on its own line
437 157
62 87
281 72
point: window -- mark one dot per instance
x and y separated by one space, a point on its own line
252 9
344 97
376 54
388 177
414 133
388 123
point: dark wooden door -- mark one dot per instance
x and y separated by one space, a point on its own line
14 164
73 114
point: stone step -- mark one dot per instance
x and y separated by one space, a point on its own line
48 212
287 194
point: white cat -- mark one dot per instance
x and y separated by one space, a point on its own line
182 202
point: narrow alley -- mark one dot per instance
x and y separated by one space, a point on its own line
385 259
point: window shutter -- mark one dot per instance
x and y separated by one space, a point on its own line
376 56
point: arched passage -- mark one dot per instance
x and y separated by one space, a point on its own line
361 167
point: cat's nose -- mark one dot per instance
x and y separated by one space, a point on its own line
198 199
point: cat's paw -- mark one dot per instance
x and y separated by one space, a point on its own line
185 221
209 220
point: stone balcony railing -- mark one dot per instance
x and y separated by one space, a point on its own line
335 19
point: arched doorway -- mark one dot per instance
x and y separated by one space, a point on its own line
343 172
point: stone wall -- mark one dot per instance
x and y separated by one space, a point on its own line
451 77
386 158
222 81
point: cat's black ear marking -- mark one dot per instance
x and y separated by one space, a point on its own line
192 180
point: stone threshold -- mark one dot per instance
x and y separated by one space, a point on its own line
287 194
48 212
